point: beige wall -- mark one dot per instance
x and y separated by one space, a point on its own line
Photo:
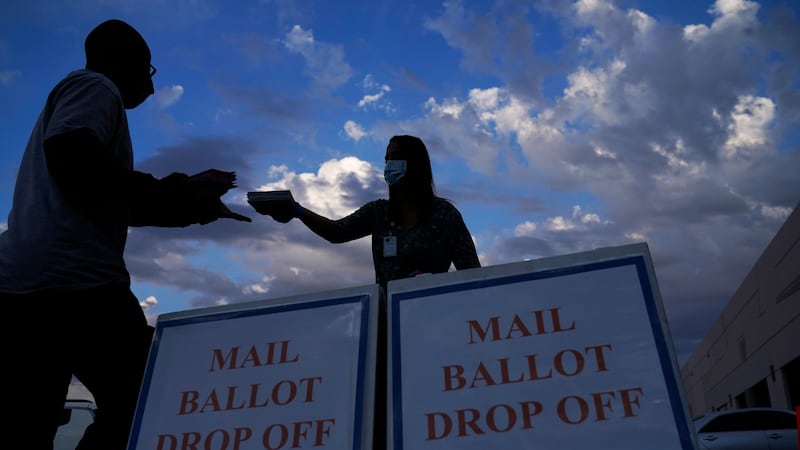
758 332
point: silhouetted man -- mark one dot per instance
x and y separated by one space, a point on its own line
63 281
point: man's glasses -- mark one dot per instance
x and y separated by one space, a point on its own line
152 71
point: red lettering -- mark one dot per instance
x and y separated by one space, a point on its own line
482 374
211 401
190 440
464 422
599 356
231 394
533 372
517 325
299 432
310 387
323 430
278 435
216 439
218 361
254 389
224 440
188 402
556 320
511 418
277 389
499 418
242 434
446 422
602 403
539 316
600 406
266 438
164 438
559 362
492 327
504 376
627 401
562 410
449 376
285 354
527 414
252 358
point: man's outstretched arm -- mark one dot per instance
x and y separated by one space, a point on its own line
87 173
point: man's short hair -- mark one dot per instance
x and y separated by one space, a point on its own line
114 41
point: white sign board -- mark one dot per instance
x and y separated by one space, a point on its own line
289 373
569 352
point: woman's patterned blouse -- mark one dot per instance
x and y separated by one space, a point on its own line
427 247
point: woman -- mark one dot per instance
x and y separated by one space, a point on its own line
413 232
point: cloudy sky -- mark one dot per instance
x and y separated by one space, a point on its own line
555 126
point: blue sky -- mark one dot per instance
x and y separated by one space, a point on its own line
555 127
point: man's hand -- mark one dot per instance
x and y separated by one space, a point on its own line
215 181
226 213
206 188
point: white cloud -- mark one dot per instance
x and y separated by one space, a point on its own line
695 33
776 212
299 40
577 221
509 113
603 153
729 15
261 288
641 21
585 7
169 95
636 236
354 131
325 63
730 12
367 99
337 189
374 98
172 261
449 108
748 128
148 303
559 223
675 159
371 85
590 218
601 95
486 99
525 228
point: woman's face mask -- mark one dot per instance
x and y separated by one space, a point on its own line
395 170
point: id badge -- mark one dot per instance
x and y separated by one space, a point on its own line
389 246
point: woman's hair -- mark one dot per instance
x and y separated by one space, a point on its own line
112 43
417 184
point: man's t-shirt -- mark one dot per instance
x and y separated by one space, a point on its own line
50 244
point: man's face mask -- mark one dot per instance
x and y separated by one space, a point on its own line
395 170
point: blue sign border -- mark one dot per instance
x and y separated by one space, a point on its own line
363 299
662 346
